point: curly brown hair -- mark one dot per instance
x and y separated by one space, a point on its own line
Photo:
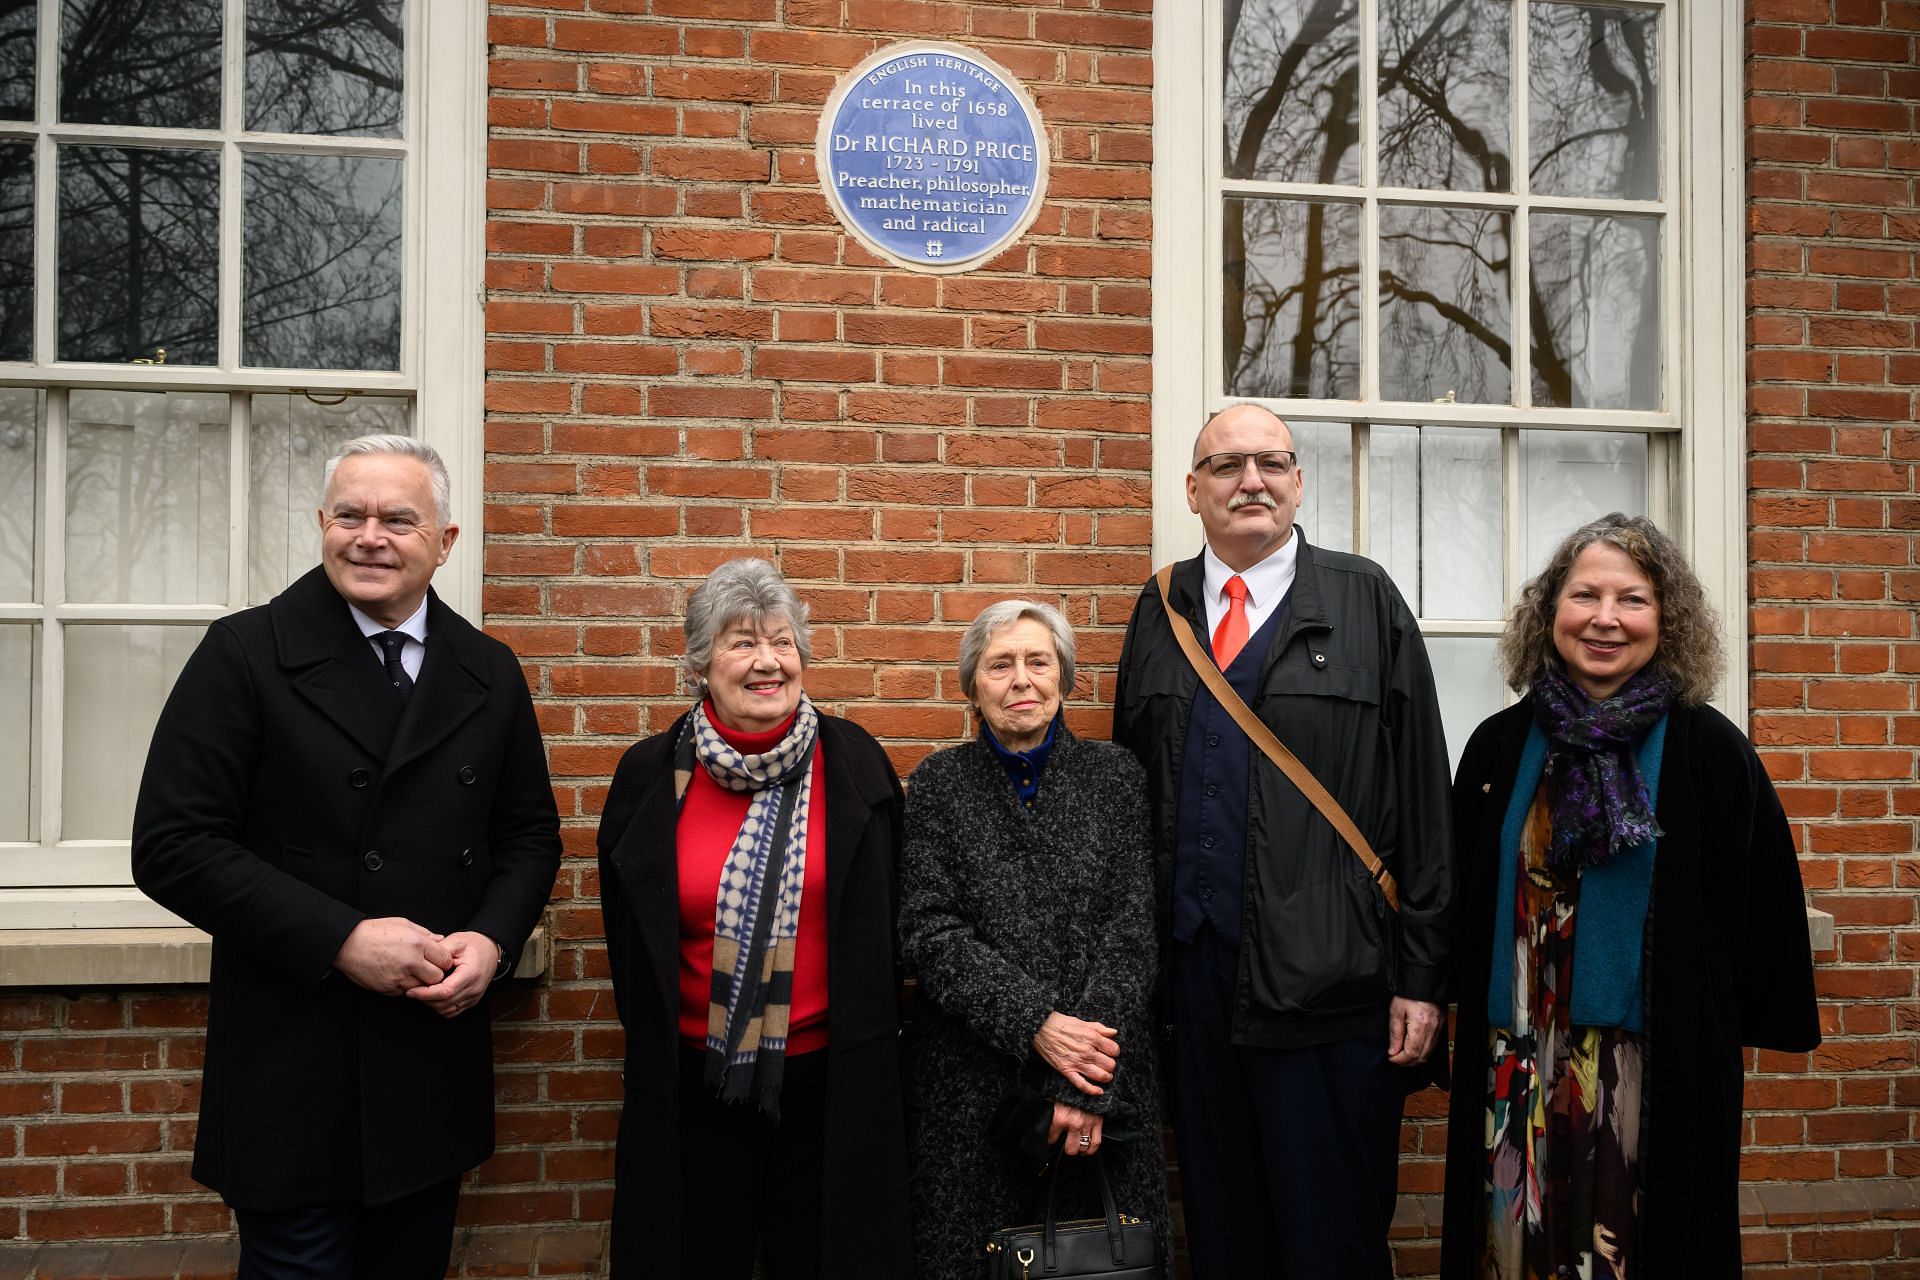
1689 649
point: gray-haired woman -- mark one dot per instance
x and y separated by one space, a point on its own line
1027 916
747 878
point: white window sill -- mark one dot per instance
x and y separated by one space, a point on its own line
147 957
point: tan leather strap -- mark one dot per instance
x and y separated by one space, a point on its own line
1271 746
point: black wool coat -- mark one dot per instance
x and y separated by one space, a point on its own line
290 794
1007 916
1727 964
864 1173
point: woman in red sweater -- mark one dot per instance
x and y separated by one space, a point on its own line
747 860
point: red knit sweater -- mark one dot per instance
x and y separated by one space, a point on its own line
708 823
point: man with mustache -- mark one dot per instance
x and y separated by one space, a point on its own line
347 790
1303 1007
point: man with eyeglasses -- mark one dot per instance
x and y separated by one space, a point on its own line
1303 1007
347 790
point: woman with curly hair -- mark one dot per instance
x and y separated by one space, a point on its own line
1632 916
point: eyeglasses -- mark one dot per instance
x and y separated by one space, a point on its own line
1274 464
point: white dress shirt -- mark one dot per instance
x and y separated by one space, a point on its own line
413 652
1267 585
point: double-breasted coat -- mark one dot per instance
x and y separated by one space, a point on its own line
1727 963
864 1231
289 794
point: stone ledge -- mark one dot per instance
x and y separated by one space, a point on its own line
61 958
1848 1200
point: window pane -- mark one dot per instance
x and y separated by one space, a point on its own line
17 691
1291 298
16 250
139 254
1325 454
1446 78
147 498
292 439
1292 91
1596 329
1466 673
322 262
1460 523
152 63
1570 477
324 66
1393 482
16 59
117 681
1593 101
19 491
1445 327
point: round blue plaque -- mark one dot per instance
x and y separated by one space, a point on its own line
932 156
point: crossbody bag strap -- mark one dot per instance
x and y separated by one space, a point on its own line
1271 746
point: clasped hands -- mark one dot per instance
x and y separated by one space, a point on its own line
393 956
1086 1054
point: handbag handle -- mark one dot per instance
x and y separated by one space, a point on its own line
1271 746
1050 1233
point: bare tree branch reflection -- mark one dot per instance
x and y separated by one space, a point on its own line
331 67
141 62
1446 85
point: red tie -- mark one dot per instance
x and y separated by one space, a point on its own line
1230 637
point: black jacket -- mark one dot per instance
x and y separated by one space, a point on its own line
865 1229
282 764
1728 964
1347 688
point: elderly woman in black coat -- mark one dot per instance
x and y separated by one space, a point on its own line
1027 918
747 877
1633 915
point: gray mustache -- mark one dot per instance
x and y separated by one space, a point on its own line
1260 496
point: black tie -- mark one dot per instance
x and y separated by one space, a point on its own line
391 643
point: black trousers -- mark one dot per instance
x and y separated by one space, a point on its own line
750 1188
407 1239
1289 1158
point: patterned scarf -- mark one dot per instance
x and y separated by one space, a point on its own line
1599 800
757 911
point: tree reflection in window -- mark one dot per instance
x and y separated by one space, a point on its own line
332 67
322 262
139 253
16 250
16 59
140 62
1445 88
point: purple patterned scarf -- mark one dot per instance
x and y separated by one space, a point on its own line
1598 798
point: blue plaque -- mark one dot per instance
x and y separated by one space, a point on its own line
932 156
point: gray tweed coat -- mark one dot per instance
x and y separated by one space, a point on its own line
1007 914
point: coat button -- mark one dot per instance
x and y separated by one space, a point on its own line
1320 659
467 775
372 860
359 778
466 857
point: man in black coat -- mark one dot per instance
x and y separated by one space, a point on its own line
1301 1003
347 790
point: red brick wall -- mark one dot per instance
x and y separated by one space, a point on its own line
1833 296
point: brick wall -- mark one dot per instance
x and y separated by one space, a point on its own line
1833 296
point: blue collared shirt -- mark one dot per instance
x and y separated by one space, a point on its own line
1023 767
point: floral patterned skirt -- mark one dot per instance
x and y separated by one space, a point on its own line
1563 1104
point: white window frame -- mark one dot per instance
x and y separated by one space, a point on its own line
1697 444
441 370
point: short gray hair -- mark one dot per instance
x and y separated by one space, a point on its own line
744 588
406 447
1002 614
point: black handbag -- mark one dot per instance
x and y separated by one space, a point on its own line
1117 1246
